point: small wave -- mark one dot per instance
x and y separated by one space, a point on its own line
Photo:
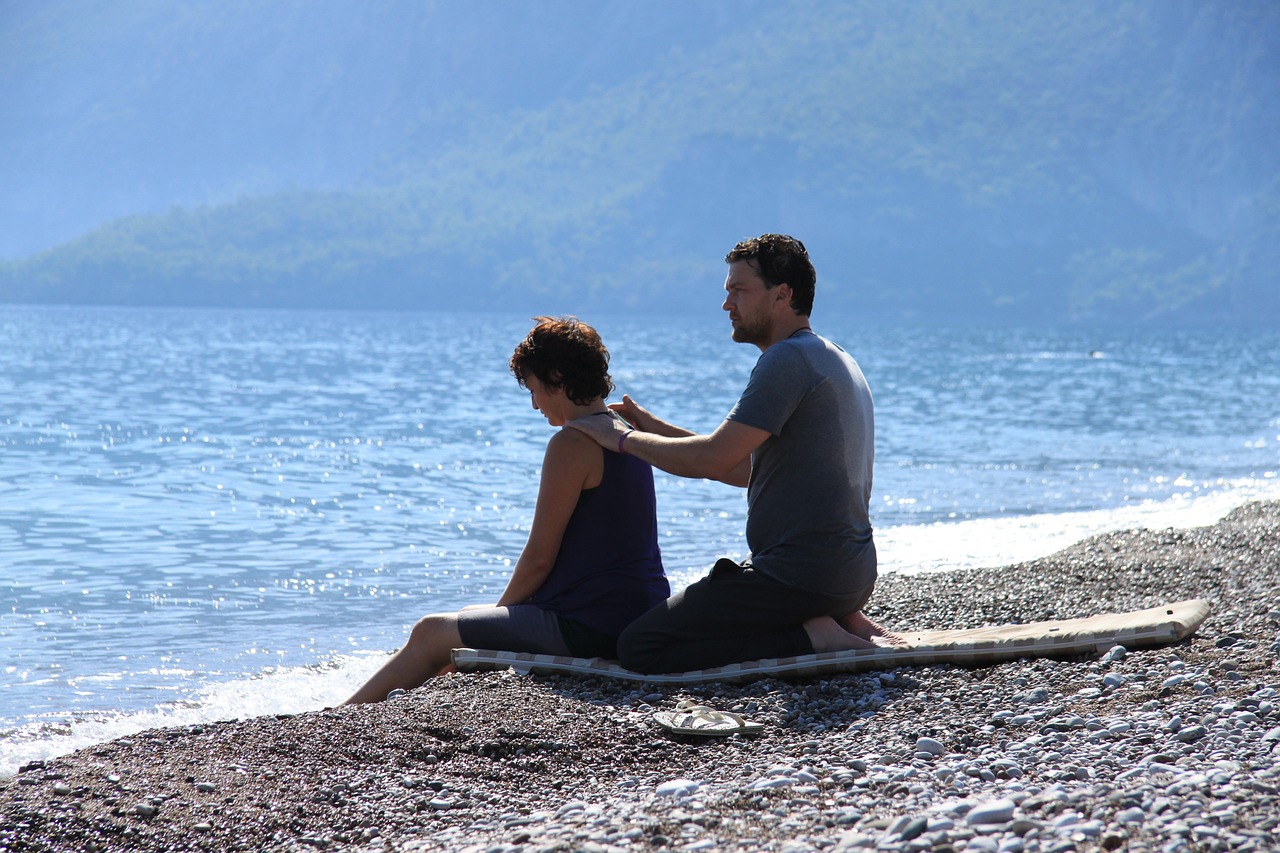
285 690
986 542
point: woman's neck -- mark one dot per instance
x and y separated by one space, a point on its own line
595 407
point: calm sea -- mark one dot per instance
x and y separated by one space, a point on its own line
207 515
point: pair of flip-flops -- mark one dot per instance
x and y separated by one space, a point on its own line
690 718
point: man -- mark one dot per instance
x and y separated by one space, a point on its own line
801 439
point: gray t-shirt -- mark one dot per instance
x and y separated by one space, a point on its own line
810 491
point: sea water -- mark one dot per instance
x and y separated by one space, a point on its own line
215 514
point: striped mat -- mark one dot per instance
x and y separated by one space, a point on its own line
1154 626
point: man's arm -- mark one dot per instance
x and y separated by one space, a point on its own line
724 455
646 421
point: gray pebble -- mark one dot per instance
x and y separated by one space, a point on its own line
1191 734
991 811
930 746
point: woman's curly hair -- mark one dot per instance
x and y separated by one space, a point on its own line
564 352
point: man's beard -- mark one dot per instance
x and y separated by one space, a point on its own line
756 332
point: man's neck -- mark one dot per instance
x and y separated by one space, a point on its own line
784 329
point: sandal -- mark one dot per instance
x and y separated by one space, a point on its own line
690 718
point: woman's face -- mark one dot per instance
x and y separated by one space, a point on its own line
549 401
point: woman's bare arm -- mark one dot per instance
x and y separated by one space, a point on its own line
570 459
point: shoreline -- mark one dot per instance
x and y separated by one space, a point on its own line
1173 748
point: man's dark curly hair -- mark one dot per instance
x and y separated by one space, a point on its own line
780 259
564 352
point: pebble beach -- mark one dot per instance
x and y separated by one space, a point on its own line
1163 749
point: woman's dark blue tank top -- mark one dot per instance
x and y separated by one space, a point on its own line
609 569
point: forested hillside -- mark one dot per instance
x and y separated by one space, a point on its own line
1091 161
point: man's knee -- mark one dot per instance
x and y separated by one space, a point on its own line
638 650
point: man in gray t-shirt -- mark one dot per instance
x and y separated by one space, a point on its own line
810 486
801 439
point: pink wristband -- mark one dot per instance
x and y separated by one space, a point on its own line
622 438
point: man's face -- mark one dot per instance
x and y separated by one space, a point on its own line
749 303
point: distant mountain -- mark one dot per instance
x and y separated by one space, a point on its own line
1091 161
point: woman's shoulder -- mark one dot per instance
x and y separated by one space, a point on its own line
572 454
570 438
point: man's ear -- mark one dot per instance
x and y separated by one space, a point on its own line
785 297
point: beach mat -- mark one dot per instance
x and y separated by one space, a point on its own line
1154 626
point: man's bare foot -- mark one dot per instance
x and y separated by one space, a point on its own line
826 635
859 625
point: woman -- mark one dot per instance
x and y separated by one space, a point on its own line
591 564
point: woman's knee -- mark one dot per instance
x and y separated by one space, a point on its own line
433 629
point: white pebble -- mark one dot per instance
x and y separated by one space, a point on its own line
678 788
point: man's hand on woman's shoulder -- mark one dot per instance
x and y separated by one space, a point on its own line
633 413
604 431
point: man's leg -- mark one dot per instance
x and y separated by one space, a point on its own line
732 615
858 624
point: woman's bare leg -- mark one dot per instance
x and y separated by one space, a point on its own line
427 653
